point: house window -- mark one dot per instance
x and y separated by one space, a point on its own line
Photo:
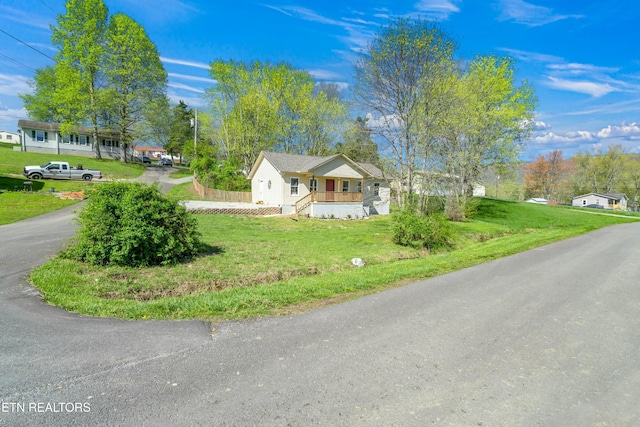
345 186
83 140
67 139
359 187
110 143
8 137
294 186
313 184
376 188
40 136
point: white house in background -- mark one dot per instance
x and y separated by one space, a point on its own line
319 186
9 137
43 137
616 201
439 184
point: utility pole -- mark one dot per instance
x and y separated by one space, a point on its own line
194 125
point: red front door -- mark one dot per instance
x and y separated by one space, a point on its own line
331 187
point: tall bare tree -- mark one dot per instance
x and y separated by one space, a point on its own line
389 82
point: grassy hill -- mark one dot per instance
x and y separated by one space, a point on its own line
17 205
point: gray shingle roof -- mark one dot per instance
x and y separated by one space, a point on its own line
285 162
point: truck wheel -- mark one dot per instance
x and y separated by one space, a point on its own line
87 177
35 176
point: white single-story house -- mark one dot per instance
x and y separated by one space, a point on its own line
319 186
616 201
44 137
9 137
439 184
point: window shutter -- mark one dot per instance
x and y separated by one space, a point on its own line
33 134
45 137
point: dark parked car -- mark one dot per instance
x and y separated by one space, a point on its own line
165 162
146 160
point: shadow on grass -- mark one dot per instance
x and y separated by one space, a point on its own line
17 184
206 250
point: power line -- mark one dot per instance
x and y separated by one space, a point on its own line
28 45
18 63
47 6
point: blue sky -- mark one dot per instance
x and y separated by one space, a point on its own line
581 56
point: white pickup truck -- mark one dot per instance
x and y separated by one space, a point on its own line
60 170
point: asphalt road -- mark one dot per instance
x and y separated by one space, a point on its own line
549 337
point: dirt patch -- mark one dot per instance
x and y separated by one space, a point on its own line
75 195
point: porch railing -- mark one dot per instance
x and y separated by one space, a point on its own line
328 196
335 196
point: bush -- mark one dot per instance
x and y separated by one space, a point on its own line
132 224
418 231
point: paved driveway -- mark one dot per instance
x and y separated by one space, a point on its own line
546 337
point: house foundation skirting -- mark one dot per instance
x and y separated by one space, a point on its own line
272 210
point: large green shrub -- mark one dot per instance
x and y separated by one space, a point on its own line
132 224
422 231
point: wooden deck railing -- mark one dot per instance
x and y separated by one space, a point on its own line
335 196
327 196
304 202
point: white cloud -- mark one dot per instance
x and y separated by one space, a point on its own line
324 74
192 78
576 68
591 88
358 32
539 125
391 121
631 130
24 17
437 9
527 56
185 87
13 84
191 101
623 131
566 138
184 62
530 14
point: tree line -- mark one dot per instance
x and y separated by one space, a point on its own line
555 178
437 119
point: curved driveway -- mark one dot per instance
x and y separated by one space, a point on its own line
546 337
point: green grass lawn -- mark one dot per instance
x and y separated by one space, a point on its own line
17 205
268 266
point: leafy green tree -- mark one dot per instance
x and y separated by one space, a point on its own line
80 36
600 172
631 180
261 106
134 74
132 224
491 116
156 127
358 145
40 105
181 132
